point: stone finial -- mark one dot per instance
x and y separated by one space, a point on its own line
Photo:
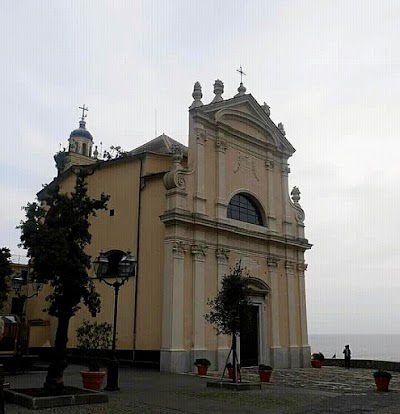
95 152
295 195
177 153
281 128
266 109
197 95
218 90
241 90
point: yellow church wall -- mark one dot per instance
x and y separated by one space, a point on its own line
151 266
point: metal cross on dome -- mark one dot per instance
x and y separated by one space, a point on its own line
240 70
83 111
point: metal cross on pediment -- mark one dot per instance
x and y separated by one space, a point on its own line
240 70
83 111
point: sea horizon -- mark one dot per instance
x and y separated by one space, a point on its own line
380 347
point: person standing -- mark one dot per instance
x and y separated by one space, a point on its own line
347 355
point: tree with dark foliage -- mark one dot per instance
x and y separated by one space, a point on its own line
55 234
5 273
229 307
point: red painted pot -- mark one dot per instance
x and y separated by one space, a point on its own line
316 363
382 384
265 376
92 380
230 373
202 369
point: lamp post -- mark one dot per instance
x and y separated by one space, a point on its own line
17 283
126 268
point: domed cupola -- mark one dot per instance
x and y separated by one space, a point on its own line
80 139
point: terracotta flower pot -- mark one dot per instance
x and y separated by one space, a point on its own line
265 376
92 380
230 373
202 369
316 363
382 384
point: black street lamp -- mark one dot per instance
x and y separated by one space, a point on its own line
17 282
126 268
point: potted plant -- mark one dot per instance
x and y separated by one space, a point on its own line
382 379
265 372
94 338
316 359
202 365
229 367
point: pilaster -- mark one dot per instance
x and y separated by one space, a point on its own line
222 340
287 220
292 315
172 357
270 167
199 196
272 263
199 252
221 147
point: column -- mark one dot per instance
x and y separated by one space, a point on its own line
199 252
173 355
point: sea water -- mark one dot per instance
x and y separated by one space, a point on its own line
384 347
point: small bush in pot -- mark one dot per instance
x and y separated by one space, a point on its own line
202 365
316 359
94 339
264 372
382 379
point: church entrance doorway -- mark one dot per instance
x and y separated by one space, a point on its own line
249 336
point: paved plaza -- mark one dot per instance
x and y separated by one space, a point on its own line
300 391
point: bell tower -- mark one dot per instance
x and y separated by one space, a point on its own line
80 144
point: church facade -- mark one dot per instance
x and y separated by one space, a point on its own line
189 214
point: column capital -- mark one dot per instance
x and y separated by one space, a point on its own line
285 169
179 248
222 255
199 251
302 267
269 164
201 135
272 261
221 145
289 266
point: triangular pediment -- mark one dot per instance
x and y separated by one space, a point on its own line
244 114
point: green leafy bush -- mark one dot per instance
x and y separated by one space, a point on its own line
95 339
263 367
202 361
382 374
318 356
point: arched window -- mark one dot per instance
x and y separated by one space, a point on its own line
243 208
84 149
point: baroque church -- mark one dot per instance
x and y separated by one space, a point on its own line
188 215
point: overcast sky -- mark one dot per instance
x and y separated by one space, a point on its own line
328 69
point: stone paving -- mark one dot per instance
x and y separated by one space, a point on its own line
327 378
311 391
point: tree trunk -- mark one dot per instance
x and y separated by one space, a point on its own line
54 380
235 373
